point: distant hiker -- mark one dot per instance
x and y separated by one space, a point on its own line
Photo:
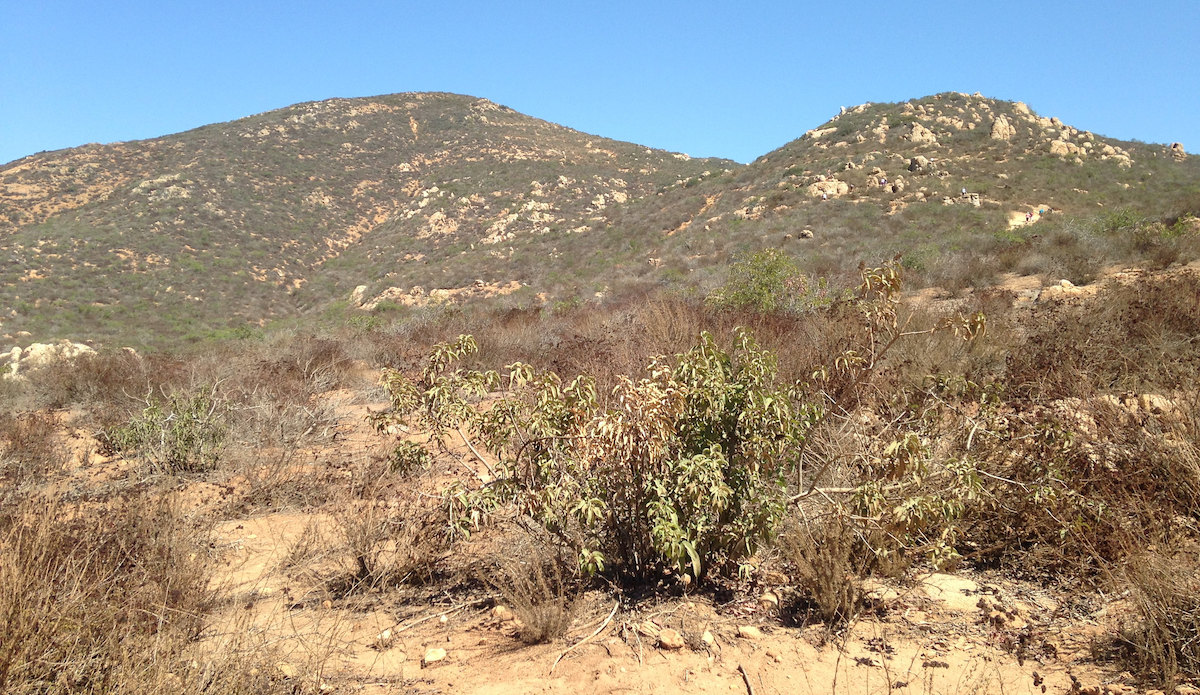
1028 217
883 181
964 191
824 196
1042 211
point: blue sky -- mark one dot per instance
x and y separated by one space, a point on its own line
722 79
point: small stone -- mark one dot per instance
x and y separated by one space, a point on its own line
768 601
432 656
287 670
327 604
670 639
749 632
503 613
384 640
708 639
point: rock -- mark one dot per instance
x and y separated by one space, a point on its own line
1060 148
768 601
384 640
921 134
359 296
1002 129
806 233
670 639
749 632
503 614
879 592
287 670
40 355
708 639
1021 109
956 593
432 656
1177 150
918 163
828 187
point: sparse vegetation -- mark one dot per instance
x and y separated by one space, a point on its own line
686 411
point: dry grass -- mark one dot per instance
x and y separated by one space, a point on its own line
535 582
98 602
1162 641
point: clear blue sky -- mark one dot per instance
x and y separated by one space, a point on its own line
723 79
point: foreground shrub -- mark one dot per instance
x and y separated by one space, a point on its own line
687 467
99 603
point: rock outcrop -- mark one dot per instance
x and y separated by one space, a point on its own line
921 134
1002 129
40 355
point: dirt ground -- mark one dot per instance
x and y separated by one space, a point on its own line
932 633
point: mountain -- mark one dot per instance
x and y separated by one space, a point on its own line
830 183
274 214
410 198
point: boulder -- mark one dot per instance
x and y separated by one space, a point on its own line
1177 150
1002 129
1060 148
921 134
829 187
359 296
919 163
40 355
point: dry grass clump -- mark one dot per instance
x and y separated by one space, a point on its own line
107 384
828 563
98 602
29 447
1136 338
1162 641
536 584
388 538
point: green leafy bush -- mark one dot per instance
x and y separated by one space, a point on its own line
685 467
185 433
766 281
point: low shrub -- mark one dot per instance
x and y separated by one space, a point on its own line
1162 641
183 433
535 584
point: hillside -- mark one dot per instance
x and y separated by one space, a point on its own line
409 199
273 215
1010 161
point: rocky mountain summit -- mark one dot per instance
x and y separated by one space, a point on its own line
408 199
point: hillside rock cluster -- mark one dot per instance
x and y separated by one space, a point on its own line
19 360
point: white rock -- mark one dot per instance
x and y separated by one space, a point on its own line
433 655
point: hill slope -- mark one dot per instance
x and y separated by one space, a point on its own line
413 196
240 221
885 179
